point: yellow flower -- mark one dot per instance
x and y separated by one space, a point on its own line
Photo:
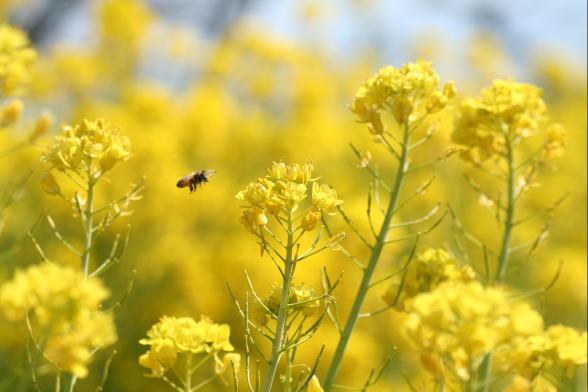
558 347
504 110
408 93
310 220
281 190
172 336
556 140
253 219
464 321
429 268
16 58
324 198
230 363
300 173
10 113
91 147
66 307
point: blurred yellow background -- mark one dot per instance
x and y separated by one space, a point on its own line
235 103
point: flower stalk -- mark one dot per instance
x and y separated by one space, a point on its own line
88 226
282 313
373 262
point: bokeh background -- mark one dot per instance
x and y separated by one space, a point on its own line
233 85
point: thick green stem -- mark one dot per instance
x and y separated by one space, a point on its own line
283 311
88 227
486 367
371 266
188 377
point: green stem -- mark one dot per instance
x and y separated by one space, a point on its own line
188 377
369 270
283 311
72 383
288 375
88 229
486 367
508 221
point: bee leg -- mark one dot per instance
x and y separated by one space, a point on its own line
191 187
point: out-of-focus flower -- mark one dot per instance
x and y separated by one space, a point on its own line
230 363
505 110
409 93
558 347
90 147
310 220
41 126
66 307
429 268
300 294
10 113
556 141
464 321
16 58
172 336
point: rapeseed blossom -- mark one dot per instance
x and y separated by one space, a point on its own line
464 321
16 58
430 268
409 93
64 307
173 336
281 191
91 147
557 349
506 112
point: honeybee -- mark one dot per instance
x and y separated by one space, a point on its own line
192 180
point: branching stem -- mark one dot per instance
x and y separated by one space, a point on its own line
373 261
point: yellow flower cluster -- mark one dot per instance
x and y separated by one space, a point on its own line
91 147
282 190
429 268
65 309
172 336
558 347
505 110
409 93
16 58
464 321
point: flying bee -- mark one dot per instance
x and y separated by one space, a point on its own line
192 180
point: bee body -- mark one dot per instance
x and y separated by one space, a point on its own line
192 180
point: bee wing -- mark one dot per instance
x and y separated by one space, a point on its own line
209 172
